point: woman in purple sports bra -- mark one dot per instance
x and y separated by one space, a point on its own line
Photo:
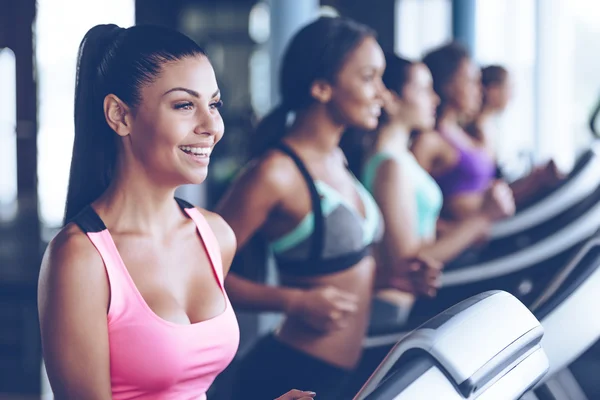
463 165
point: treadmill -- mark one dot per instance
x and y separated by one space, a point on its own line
486 347
569 299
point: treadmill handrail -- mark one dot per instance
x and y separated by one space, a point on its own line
593 119
505 330
567 196
564 274
580 229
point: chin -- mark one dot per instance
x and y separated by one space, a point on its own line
368 124
195 178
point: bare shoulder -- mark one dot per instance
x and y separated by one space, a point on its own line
71 262
276 171
390 177
389 168
427 139
224 234
68 250
220 228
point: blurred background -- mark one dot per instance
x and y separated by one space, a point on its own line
550 47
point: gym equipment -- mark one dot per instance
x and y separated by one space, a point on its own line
486 347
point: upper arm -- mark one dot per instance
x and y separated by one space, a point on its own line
253 195
394 193
73 297
225 236
426 149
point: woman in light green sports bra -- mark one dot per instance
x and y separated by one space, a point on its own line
409 198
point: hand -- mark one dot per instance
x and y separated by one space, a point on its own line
549 174
419 275
444 227
498 202
324 308
297 395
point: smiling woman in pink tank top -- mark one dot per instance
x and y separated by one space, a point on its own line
131 297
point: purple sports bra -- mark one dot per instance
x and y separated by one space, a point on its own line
473 173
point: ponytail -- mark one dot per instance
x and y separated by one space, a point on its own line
270 130
316 52
112 60
94 148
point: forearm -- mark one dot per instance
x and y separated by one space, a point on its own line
252 296
526 187
457 239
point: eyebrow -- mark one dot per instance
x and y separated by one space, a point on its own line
190 91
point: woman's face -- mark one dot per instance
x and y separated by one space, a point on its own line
357 94
416 103
177 123
498 95
464 90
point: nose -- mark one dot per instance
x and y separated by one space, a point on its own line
436 99
209 122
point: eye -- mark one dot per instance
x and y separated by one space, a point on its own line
369 78
217 104
187 105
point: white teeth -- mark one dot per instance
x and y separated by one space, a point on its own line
200 151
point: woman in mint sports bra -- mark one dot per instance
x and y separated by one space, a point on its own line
409 198
319 221
462 165
131 297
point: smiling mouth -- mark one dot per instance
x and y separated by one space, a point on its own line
196 151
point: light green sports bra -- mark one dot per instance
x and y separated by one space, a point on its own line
428 195
346 228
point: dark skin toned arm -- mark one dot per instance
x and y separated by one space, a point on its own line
267 187
252 186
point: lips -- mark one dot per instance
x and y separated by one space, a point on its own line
376 111
204 151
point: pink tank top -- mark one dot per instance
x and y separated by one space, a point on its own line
151 358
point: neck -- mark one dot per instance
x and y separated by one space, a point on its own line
486 114
393 137
315 128
135 202
449 118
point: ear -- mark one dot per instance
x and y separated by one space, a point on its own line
118 115
321 91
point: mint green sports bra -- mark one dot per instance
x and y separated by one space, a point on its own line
336 210
333 236
428 195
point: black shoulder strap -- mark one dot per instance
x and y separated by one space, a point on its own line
183 204
89 221
318 234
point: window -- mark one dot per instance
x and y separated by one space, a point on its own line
505 35
56 53
8 140
586 67
550 47
421 26
568 76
